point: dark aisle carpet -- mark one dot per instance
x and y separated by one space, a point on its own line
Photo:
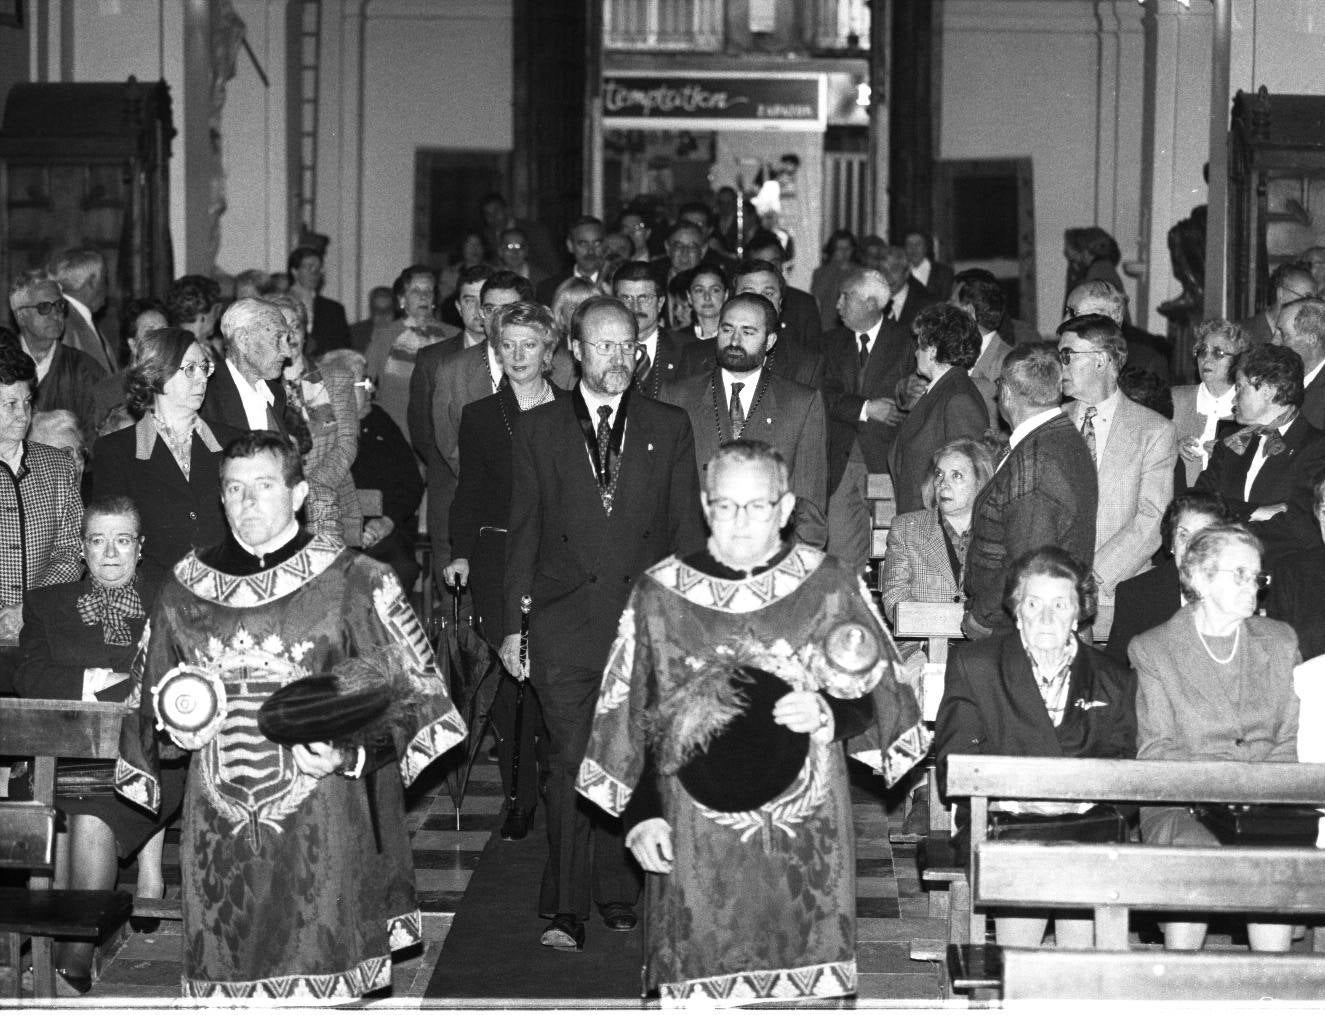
492 950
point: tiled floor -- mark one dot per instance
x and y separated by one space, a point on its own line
890 909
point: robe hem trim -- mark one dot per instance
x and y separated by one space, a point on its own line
828 979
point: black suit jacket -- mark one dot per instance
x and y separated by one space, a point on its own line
667 365
917 299
992 705
330 329
801 321
940 281
178 514
1143 602
952 408
1296 595
846 389
1285 478
55 645
223 405
1045 494
1313 402
577 562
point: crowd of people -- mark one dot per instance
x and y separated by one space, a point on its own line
647 463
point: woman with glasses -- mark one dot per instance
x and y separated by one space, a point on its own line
169 462
1264 471
1200 409
1215 683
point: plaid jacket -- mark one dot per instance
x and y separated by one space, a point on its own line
41 515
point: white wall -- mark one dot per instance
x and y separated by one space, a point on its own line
1039 78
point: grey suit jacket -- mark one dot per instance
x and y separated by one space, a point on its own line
787 415
460 379
80 336
984 375
1189 709
1135 469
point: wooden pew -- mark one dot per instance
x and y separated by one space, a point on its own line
984 778
46 730
1113 880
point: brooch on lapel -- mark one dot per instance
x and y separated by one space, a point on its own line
650 447
768 421
1086 706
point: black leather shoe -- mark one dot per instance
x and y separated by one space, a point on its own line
565 933
618 916
516 826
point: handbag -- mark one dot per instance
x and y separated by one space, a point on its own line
1260 824
1101 823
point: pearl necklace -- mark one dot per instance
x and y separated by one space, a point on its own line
1237 634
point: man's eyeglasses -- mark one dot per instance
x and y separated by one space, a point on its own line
725 510
1246 576
202 368
641 300
1201 351
609 348
515 246
46 307
1065 355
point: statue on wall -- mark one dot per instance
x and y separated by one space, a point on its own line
227 37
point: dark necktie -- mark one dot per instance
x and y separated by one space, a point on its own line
642 366
1088 430
604 448
735 413
864 349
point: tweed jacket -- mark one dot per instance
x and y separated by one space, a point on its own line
984 375
953 407
1188 709
177 514
1285 478
916 567
576 561
333 423
41 518
992 705
787 415
1135 470
1045 493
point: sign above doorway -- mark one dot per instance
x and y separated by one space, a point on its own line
714 101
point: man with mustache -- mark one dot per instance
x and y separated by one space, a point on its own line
604 485
740 399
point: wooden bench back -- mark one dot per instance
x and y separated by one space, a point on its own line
1113 879
982 778
1043 973
47 729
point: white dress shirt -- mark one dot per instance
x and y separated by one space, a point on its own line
43 364
921 271
1023 429
747 394
1212 408
494 368
256 399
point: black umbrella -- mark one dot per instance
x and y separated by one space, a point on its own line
475 671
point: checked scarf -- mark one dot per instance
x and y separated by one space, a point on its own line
112 609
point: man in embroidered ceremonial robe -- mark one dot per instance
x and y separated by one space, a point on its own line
747 899
297 874
604 485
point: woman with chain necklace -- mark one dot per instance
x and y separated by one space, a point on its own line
1215 683
526 337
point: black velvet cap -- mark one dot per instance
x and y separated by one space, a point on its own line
320 708
753 759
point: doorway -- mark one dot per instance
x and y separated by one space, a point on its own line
449 185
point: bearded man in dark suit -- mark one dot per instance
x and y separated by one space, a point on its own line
741 399
604 485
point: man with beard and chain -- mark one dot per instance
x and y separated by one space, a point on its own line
739 398
604 485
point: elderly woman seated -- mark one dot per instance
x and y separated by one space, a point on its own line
1215 683
1040 691
926 551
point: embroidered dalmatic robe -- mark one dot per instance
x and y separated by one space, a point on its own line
759 904
287 890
